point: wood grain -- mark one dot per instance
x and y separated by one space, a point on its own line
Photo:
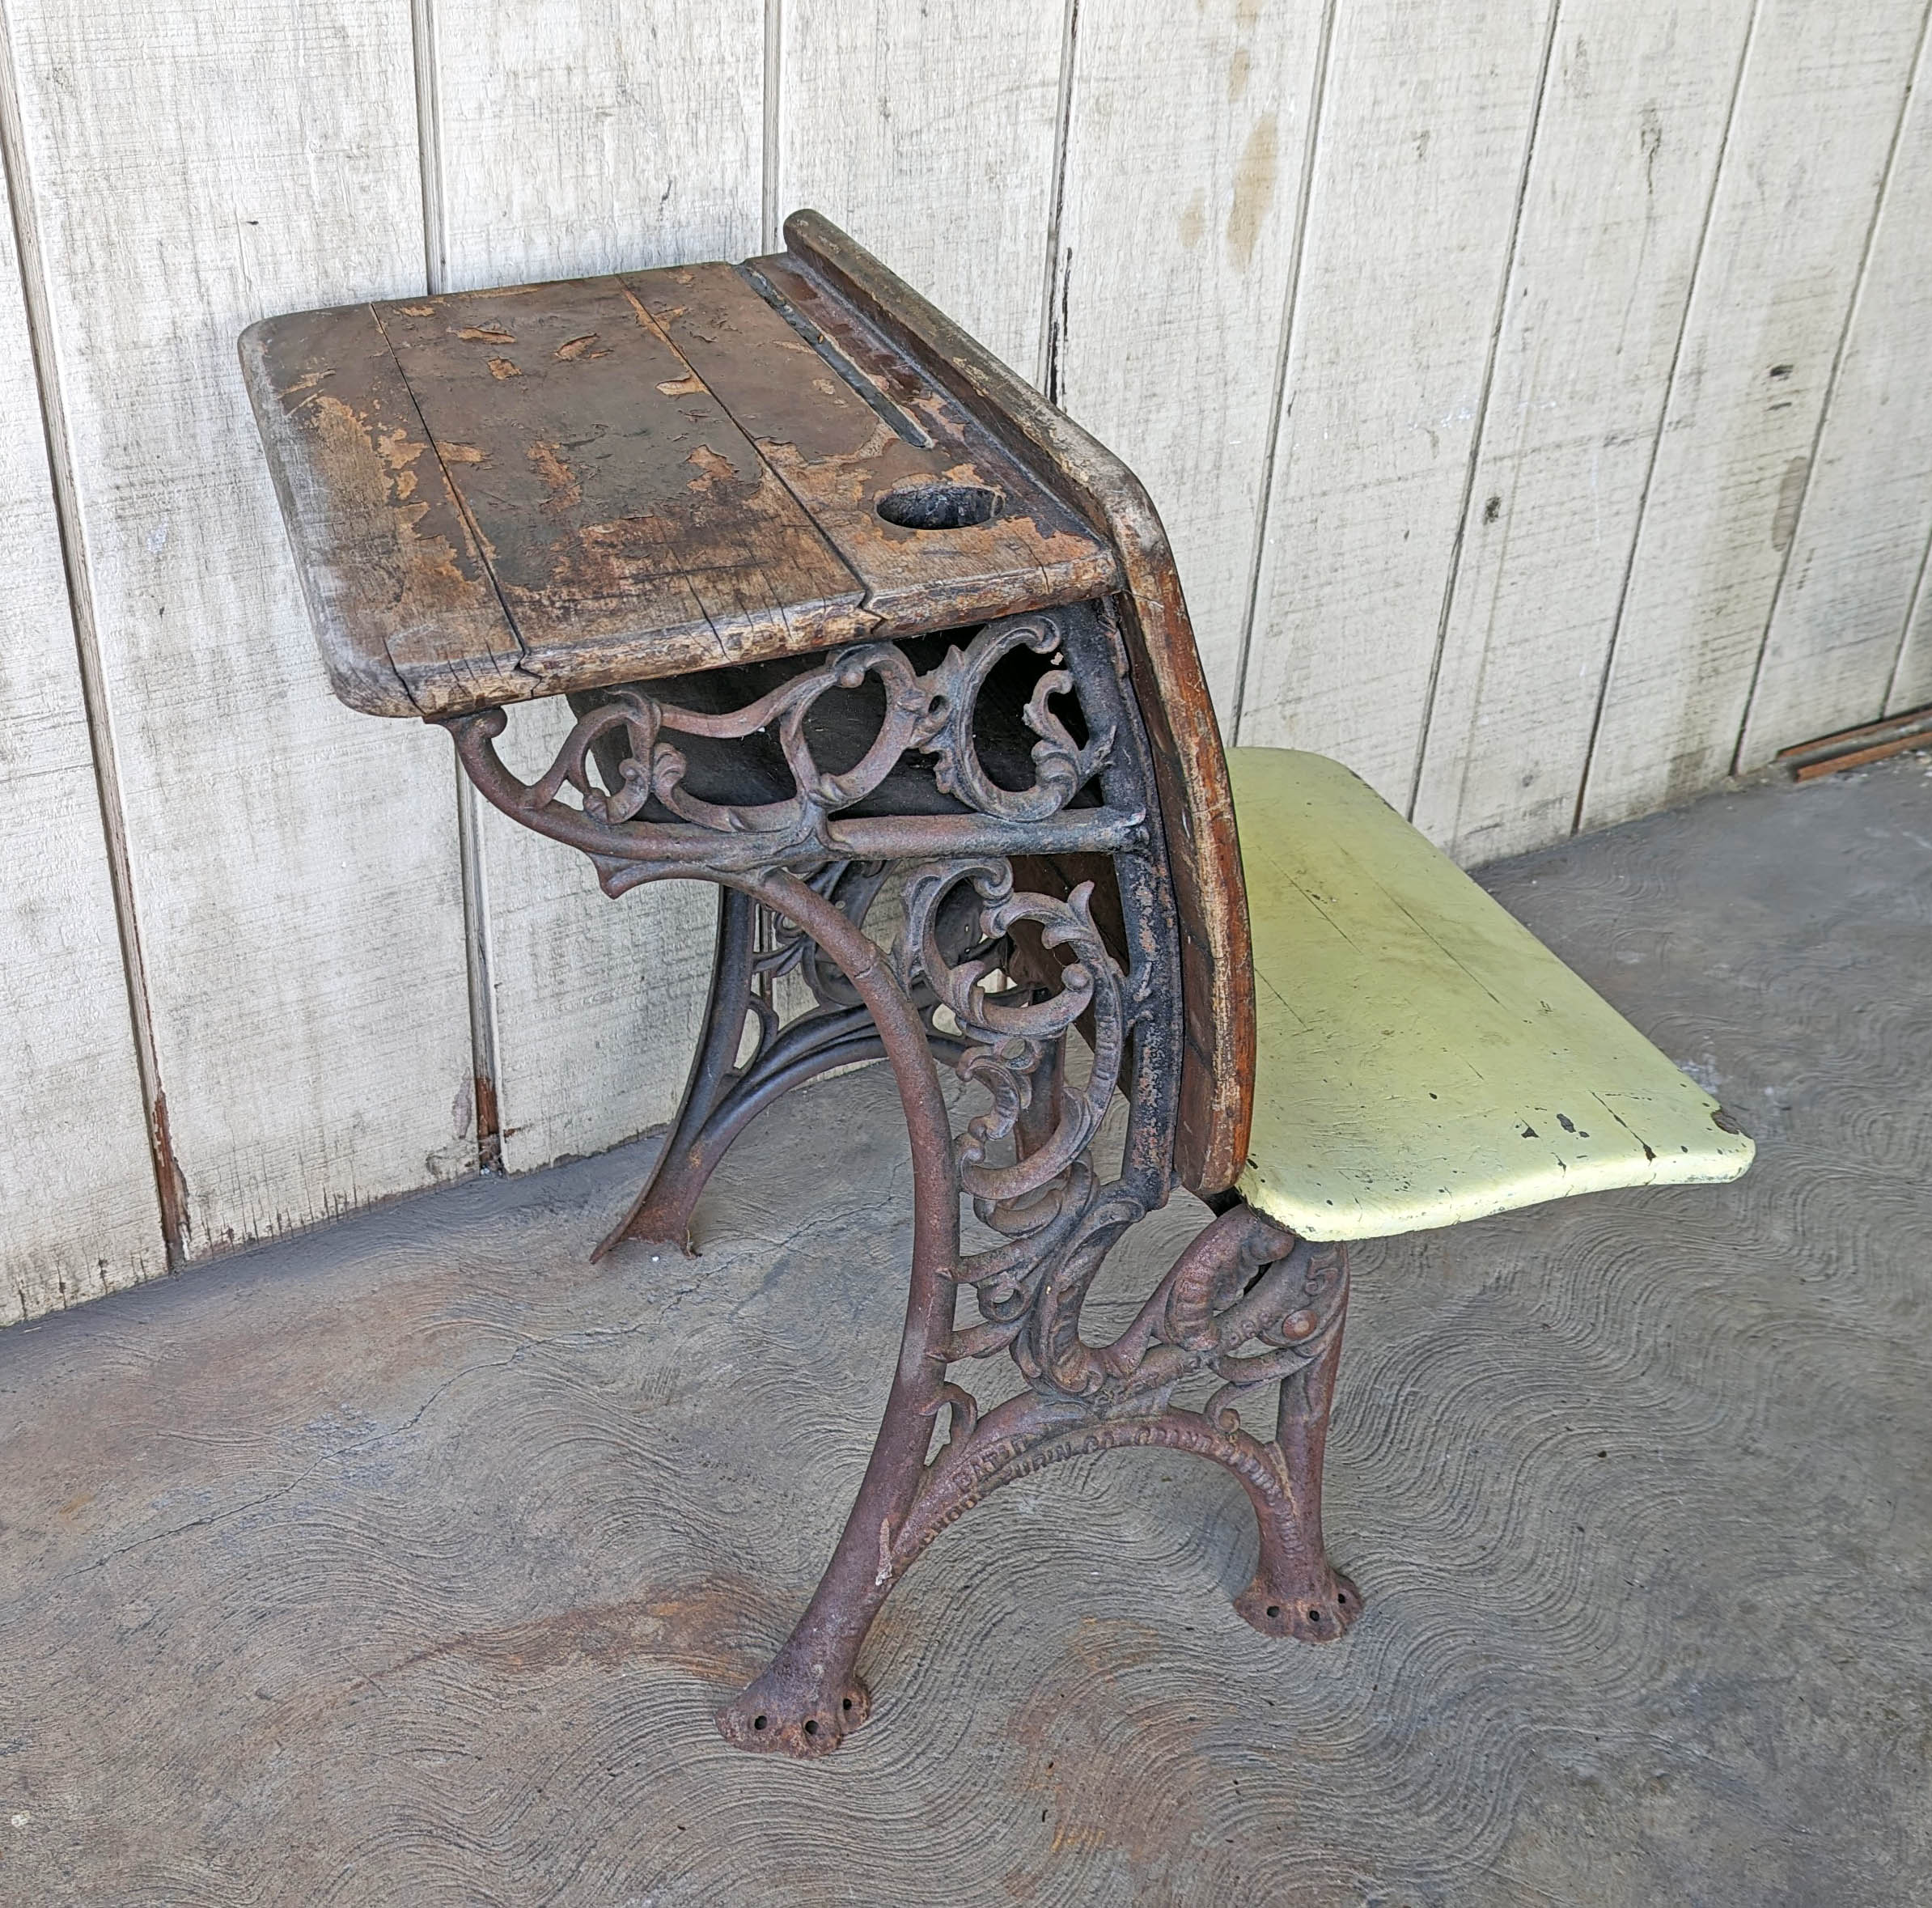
1620 180
928 133
1832 650
581 136
1176 245
1912 685
294 864
601 143
1426 120
1816 114
631 531
840 450
404 608
75 1143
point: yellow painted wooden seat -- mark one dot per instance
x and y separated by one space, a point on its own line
1421 1058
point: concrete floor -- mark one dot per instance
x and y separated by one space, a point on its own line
405 1562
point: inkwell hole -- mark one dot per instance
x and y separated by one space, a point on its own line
939 506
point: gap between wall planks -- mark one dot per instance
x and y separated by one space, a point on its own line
75 1136
578 151
929 134
1426 117
1833 656
1624 155
1165 218
293 867
1816 120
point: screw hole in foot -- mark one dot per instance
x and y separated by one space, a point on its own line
757 1722
1314 1616
812 1725
1274 1609
846 1704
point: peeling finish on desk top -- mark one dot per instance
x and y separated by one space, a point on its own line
507 493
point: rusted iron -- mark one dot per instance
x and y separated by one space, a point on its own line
549 490
837 602
992 978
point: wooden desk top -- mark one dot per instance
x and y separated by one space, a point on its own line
502 494
495 495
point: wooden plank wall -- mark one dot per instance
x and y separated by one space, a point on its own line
1533 389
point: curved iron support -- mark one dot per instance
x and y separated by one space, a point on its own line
810 1696
997 980
721 1097
661 1213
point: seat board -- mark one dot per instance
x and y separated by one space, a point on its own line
1421 1057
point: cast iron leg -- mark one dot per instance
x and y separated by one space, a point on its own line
810 1696
1243 1282
1245 1308
1295 1591
661 1214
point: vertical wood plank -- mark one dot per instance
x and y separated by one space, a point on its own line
1425 118
1177 239
1625 158
576 137
597 1002
928 133
1816 113
1911 681
1853 569
581 136
294 865
78 1214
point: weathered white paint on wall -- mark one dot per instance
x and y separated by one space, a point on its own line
75 1137
1816 113
1625 156
1858 552
928 133
573 138
1912 684
1334 276
576 136
1166 216
1425 125
293 867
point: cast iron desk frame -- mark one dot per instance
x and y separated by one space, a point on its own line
1105 896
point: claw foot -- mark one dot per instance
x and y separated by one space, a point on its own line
792 1715
1315 1613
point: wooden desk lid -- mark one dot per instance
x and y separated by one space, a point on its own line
500 494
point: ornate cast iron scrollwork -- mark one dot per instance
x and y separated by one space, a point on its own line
933 714
1244 1304
1012 1031
994 975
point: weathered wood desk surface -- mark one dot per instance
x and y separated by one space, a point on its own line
497 495
612 478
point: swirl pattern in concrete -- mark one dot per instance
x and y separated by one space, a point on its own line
405 1563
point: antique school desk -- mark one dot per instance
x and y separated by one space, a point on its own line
840 603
